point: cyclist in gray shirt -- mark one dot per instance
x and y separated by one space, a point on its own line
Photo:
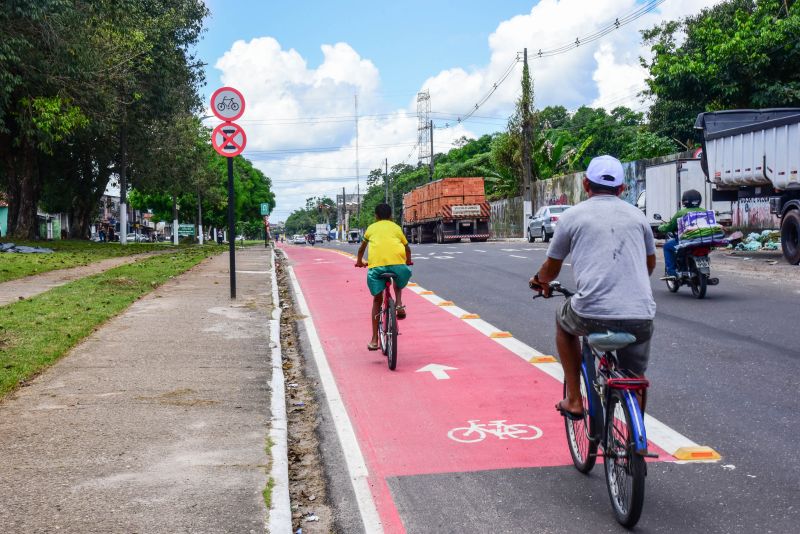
613 256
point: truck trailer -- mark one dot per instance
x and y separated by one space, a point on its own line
750 153
446 210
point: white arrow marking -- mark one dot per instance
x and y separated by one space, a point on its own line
438 371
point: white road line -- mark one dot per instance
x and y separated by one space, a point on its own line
356 466
520 257
509 249
280 510
476 250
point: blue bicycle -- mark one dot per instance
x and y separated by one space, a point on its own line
612 421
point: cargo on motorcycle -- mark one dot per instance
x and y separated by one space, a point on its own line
693 233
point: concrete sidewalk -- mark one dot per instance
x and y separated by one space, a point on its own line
156 423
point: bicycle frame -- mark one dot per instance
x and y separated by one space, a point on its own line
603 366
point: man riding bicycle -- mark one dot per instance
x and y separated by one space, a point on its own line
613 256
388 253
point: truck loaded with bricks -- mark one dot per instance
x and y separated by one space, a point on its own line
756 153
446 210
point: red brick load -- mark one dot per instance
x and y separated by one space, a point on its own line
449 209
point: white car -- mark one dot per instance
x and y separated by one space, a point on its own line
298 239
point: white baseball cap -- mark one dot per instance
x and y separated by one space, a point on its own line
606 170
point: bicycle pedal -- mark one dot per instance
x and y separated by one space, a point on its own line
647 454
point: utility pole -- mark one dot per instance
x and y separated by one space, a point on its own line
358 181
431 175
526 104
386 181
199 216
344 213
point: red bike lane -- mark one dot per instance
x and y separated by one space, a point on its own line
406 421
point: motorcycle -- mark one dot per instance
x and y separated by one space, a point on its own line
693 266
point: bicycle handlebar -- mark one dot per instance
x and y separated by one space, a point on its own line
555 286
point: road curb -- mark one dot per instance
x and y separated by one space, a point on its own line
280 511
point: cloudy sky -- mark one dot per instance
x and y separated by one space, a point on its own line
300 66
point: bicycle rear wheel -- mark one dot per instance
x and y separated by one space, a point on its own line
582 447
391 335
625 469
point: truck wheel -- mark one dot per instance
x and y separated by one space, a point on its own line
790 236
439 234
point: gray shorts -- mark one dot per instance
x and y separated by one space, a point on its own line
634 357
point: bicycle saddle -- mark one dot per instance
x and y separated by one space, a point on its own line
610 340
388 276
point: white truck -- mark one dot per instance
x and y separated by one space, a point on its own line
751 153
666 182
322 231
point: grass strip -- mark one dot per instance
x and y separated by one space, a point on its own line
36 332
68 254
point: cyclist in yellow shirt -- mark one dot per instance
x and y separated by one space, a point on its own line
388 252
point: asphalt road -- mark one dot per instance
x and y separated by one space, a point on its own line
725 371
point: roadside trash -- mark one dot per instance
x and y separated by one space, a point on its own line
298 404
299 531
765 240
11 247
311 517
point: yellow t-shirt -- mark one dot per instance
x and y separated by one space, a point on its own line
386 244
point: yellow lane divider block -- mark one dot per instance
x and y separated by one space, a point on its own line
412 284
697 453
496 335
470 316
446 303
425 293
542 359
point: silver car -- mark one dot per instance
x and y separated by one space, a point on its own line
543 223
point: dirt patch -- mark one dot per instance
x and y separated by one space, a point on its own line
179 397
120 281
311 510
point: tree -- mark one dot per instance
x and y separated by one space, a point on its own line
737 54
75 75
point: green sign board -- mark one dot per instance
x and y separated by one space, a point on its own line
264 208
185 230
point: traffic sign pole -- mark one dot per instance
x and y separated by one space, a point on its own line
231 229
229 140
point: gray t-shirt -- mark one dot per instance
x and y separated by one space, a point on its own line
608 240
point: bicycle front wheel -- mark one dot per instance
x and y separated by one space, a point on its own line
625 469
582 447
391 335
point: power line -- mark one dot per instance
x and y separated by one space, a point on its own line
619 22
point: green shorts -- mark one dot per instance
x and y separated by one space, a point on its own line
376 283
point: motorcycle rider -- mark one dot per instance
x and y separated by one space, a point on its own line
691 200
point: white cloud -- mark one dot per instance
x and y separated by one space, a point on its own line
293 108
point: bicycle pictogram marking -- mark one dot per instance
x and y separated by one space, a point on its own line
477 431
227 104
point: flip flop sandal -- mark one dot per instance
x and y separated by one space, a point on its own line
372 346
401 312
569 415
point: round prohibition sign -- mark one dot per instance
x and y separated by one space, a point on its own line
228 139
227 103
